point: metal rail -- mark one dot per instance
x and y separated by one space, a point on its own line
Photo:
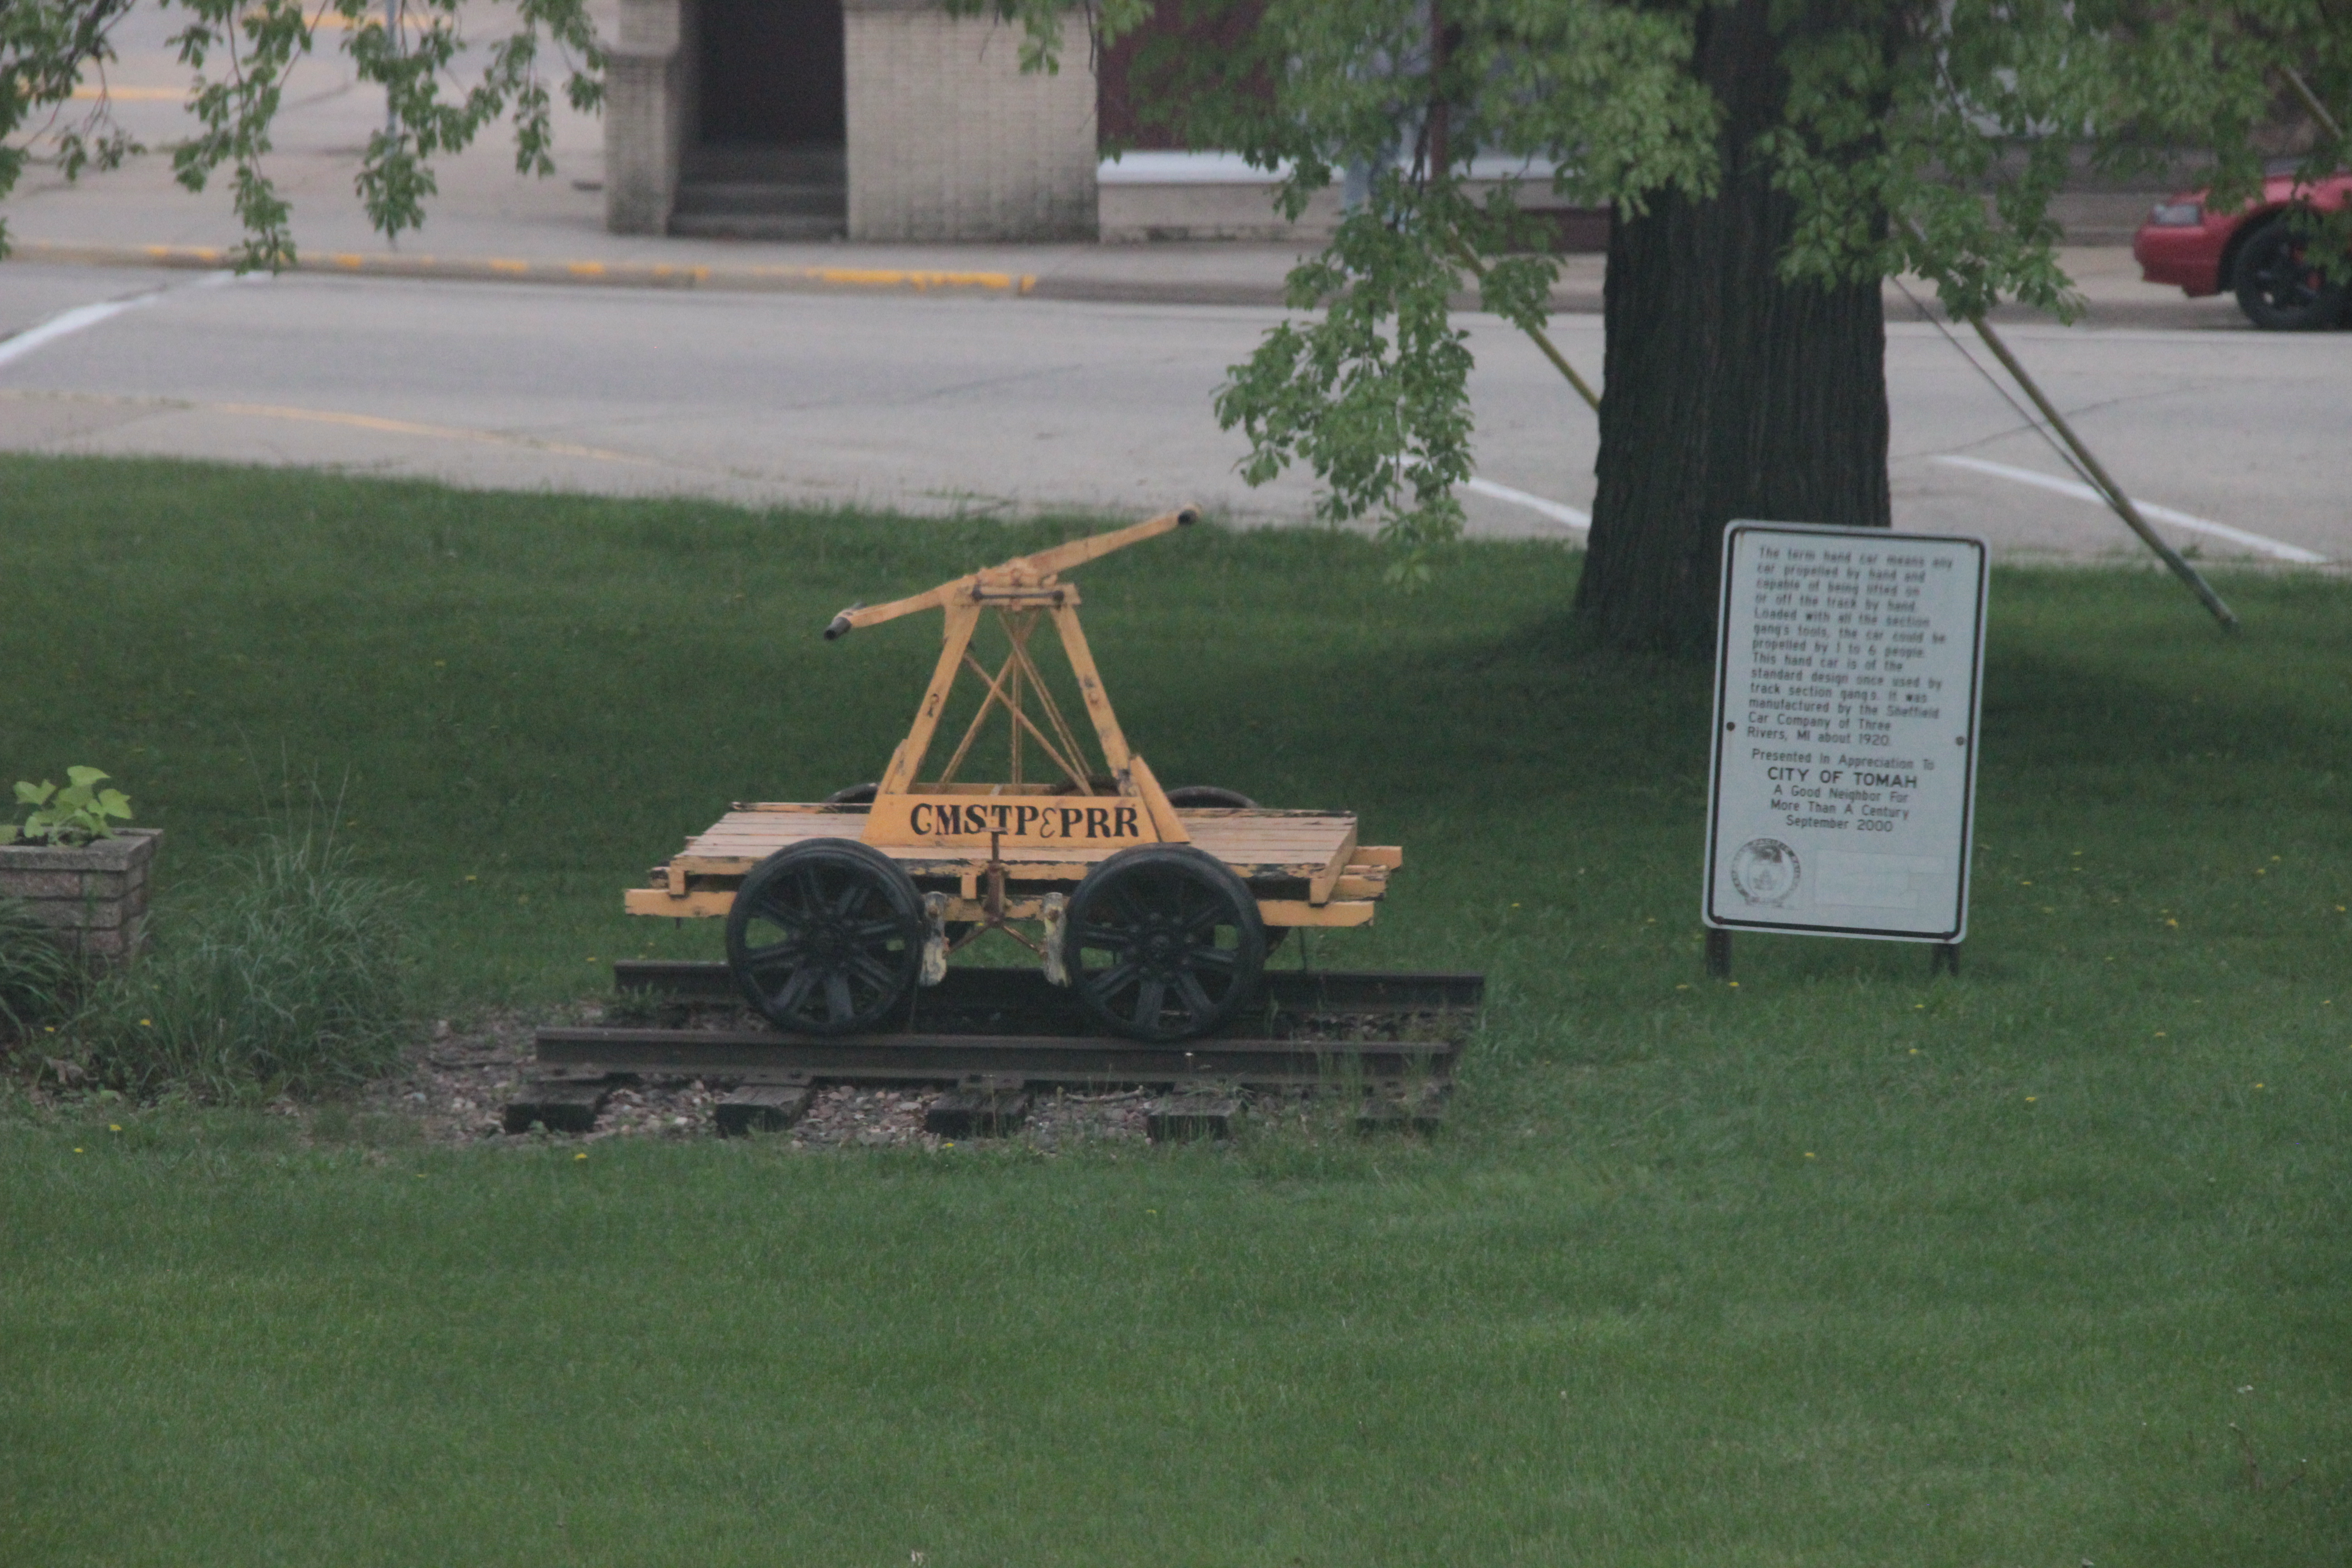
996 1060
987 1037
1022 994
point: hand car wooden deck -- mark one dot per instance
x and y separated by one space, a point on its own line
1156 907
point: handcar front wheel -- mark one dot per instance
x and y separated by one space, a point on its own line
826 937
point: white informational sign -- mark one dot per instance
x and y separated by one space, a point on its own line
1843 791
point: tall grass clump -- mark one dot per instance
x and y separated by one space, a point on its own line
292 975
39 980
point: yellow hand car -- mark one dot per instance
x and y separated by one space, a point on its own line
1156 906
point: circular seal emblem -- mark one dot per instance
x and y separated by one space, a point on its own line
1765 871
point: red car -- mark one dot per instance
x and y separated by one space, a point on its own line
2252 250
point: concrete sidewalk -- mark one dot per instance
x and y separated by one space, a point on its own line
488 222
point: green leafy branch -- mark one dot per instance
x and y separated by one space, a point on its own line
240 55
46 46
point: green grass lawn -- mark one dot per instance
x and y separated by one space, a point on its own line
1837 1265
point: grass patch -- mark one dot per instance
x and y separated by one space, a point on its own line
39 981
289 974
1839 1265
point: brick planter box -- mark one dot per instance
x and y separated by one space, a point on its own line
94 896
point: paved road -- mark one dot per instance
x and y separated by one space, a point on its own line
936 404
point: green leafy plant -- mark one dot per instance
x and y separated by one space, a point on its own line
74 814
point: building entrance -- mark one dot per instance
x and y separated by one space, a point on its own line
769 156
772 73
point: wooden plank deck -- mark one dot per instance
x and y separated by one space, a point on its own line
1310 846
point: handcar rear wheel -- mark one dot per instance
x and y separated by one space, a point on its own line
1164 943
826 937
1198 796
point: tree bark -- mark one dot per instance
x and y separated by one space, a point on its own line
1729 393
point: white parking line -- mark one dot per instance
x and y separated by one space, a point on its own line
1567 516
81 316
2276 549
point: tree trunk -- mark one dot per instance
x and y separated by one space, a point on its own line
1729 394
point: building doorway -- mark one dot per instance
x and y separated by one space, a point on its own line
771 74
769 159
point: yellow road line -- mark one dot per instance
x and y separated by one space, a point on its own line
335 416
504 269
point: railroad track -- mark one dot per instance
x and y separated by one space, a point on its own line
988 1038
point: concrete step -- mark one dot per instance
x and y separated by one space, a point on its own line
797 199
757 225
765 165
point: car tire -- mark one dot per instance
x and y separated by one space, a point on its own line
2279 289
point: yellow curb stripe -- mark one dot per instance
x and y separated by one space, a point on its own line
516 269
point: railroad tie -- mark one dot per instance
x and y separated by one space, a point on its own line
560 1105
763 1108
1184 1117
977 1111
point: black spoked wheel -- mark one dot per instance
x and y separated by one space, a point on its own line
1210 796
2281 288
826 937
1164 943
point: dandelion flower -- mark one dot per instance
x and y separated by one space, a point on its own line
579 1156
113 1127
146 1023
1809 1153
2030 1098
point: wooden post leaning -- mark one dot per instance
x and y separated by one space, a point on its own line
1156 910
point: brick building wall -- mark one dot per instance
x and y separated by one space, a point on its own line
948 140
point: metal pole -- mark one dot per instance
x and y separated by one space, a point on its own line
2311 101
2116 499
391 40
1542 340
